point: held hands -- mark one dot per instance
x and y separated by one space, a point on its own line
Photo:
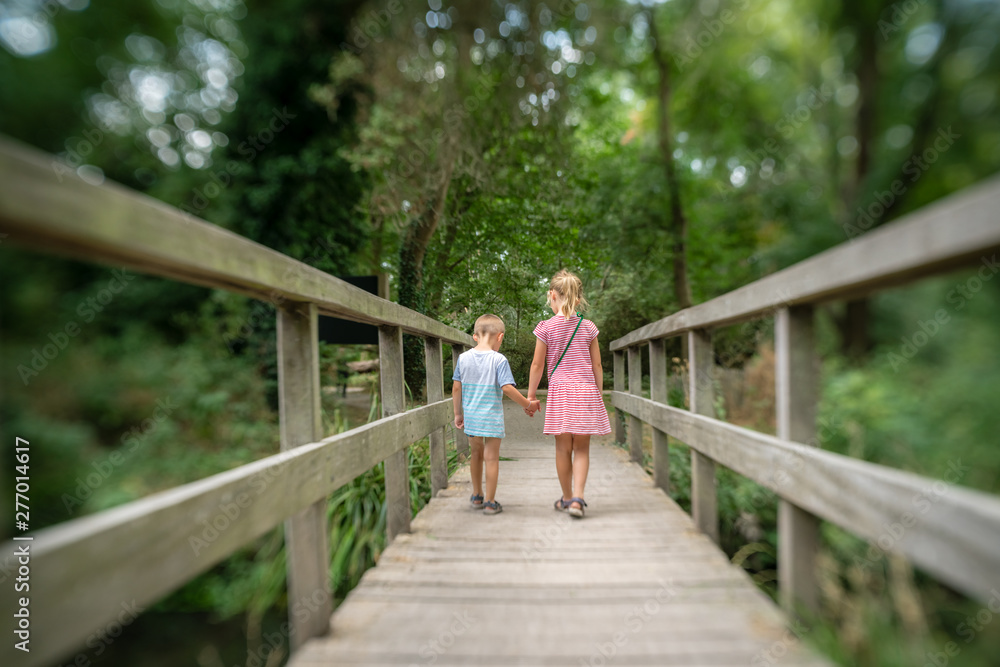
534 405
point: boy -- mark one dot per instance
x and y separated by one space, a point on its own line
481 376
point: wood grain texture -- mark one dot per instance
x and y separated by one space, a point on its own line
658 393
961 229
397 470
951 532
435 392
56 211
137 553
306 535
635 387
619 384
704 495
797 397
634 580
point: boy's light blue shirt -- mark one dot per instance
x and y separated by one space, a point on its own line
483 373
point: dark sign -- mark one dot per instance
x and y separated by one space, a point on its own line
336 331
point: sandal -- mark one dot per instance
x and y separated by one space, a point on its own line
560 505
492 507
576 511
476 502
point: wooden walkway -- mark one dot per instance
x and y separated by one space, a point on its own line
634 583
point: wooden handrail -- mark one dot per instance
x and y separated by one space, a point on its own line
138 552
45 206
949 233
952 532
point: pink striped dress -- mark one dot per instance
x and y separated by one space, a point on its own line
573 404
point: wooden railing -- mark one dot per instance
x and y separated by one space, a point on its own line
952 533
84 571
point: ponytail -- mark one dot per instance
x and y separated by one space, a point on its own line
570 288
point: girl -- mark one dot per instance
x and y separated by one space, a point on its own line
575 410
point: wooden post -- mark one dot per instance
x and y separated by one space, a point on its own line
658 393
306 533
797 394
619 386
635 387
435 393
704 501
461 440
397 473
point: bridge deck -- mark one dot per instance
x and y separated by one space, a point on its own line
634 583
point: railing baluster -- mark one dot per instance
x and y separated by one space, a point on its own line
797 394
658 392
704 501
461 440
306 535
635 387
435 392
619 375
397 473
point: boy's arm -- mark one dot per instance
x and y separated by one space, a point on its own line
511 392
456 401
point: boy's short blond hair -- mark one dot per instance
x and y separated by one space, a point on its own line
488 325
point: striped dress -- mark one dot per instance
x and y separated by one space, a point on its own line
573 404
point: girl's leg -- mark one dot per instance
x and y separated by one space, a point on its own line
564 463
476 463
581 464
492 456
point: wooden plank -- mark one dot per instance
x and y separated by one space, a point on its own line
619 376
49 208
797 396
961 229
658 393
704 497
141 551
951 532
397 471
435 392
461 440
306 533
635 387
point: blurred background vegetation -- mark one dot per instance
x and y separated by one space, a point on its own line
667 152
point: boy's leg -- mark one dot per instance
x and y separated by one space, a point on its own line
476 463
564 463
581 463
492 467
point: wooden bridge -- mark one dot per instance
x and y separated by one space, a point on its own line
637 582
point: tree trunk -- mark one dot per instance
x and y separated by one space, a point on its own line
678 224
411 278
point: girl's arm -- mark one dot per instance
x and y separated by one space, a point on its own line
537 366
595 361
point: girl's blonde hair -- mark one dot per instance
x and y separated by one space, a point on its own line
570 288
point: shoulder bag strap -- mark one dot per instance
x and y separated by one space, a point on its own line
567 346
